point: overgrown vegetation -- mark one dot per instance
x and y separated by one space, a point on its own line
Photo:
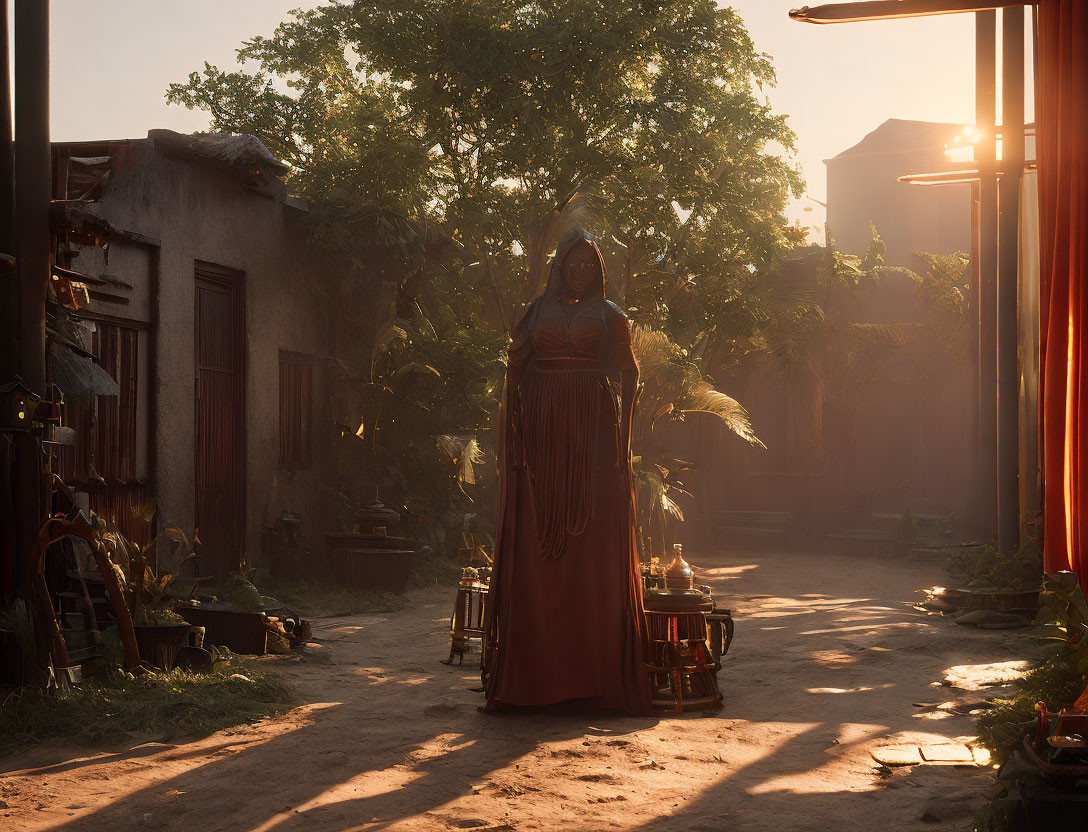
673 387
446 147
1058 680
986 568
1055 681
114 704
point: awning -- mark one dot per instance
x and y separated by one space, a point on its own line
77 375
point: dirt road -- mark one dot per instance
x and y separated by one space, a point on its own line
829 662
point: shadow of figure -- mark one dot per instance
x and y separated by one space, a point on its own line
329 774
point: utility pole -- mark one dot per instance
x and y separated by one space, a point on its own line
9 296
32 197
986 268
1008 387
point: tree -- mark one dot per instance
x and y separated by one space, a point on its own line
673 387
452 143
504 123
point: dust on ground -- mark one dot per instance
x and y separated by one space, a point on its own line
830 660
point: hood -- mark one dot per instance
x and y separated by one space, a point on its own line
555 272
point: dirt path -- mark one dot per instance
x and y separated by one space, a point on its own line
828 662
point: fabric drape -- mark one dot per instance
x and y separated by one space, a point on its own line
1062 153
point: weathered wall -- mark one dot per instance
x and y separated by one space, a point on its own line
204 214
863 189
907 444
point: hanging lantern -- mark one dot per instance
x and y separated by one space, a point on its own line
17 405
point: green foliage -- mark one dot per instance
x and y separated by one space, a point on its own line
242 594
109 707
944 288
1054 681
671 387
1064 598
444 149
159 617
1058 680
503 124
986 568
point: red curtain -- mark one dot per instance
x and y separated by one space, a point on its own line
1061 100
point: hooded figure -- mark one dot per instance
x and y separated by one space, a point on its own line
565 619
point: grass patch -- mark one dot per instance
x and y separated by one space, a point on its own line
1055 682
319 596
111 706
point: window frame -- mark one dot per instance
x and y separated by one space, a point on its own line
297 453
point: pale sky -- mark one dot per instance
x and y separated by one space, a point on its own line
112 61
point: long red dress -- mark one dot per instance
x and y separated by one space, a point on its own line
565 615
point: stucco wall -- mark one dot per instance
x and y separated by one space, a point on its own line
204 214
865 189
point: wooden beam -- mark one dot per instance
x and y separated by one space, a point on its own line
952 177
1008 268
894 9
986 156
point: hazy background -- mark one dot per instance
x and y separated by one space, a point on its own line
112 61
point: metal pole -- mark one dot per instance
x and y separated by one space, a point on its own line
985 150
9 295
32 193
974 452
33 185
1012 163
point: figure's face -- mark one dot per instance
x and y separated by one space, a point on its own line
581 270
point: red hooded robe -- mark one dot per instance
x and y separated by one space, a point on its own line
565 618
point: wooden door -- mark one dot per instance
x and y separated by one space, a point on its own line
220 419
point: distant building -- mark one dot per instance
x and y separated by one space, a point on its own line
203 311
862 190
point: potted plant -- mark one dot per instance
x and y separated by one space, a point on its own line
983 578
160 632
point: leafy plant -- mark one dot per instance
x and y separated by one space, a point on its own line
445 148
242 594
1057 680
672 387
501 125
984 567
943 287
1054 681
1063 597
150 572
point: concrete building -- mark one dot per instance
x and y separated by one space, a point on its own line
204 310
862 190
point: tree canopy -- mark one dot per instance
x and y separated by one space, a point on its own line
467 136
503 123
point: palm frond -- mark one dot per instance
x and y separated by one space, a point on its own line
470 456
464 451
706 399
387 337
416 368
671 507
